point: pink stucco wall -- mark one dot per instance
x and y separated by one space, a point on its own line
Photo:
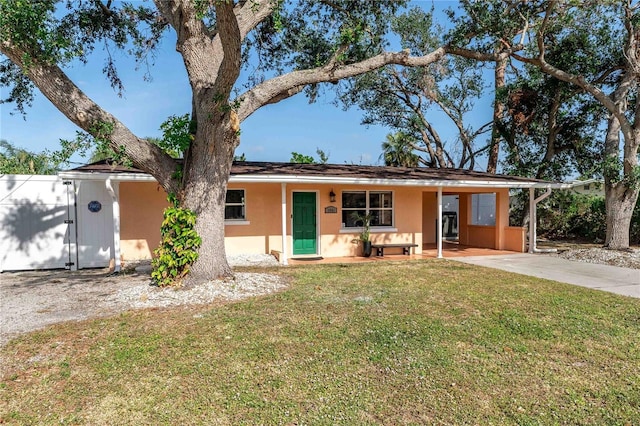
141 207
415 211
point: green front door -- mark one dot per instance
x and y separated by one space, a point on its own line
304 223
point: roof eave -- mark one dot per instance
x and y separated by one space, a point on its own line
331 180
126 177
335 180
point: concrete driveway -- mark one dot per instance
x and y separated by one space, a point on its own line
613 279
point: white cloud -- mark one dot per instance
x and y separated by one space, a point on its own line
255 148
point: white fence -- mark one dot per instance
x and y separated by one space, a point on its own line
42 228
37 216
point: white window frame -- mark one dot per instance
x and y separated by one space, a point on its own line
373 228
244 220
480 216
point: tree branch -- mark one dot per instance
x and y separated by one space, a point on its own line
603 77
106 8
286 94
183 18
554 128
278 86
433 162
482 129
580 81
252 13
230 38
86 114
482 56
335 6
205 53
543 27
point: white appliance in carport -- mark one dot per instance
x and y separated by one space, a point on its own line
450 207
483 208
50 223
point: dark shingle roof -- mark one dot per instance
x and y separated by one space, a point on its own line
368 172
106 166
345 171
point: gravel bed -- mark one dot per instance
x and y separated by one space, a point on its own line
31 300
244 285
253 260
625 259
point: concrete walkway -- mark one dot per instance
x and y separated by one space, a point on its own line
613 279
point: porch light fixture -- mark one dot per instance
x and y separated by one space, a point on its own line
332 196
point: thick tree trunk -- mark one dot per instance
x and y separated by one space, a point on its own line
498 110
212 261
205 186
620 198
620 202
213 65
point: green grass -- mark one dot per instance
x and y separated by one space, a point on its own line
422 342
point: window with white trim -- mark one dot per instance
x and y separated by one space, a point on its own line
379 204
234 207
483 209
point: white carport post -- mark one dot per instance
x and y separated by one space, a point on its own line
533 203
284 223
532 220
439 224
116 224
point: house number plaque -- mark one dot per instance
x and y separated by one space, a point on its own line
331 209
94 206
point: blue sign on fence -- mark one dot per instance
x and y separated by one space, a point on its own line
95 206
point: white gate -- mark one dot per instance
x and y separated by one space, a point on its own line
37 228
95 224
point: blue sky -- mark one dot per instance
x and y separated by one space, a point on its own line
270 134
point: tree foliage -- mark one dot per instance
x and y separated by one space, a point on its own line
296 157
404 99
179 245
19 161
177 134
64 33
570 216
309 34
552 130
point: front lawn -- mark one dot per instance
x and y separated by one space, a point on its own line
420 342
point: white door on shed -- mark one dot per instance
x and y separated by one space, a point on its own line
95 224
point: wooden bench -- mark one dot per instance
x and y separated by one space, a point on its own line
406 248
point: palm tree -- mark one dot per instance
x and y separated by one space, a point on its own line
397 150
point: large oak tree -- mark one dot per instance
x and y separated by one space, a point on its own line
558 38
291 47
616 89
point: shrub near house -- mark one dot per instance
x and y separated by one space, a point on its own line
578 216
